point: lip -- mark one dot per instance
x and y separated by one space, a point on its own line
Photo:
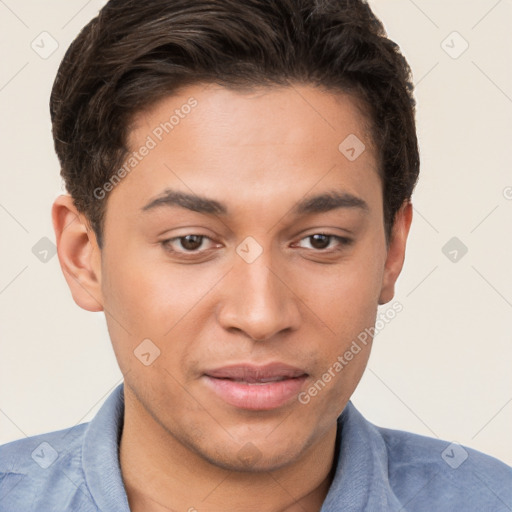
256 388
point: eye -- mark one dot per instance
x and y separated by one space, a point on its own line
186 244
321 242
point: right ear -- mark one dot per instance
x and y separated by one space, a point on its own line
79 254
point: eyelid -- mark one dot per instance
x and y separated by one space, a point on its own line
166 242
343 241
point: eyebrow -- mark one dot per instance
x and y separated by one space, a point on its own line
171 198
329 201
317 204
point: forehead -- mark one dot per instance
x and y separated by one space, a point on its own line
250 146
264 114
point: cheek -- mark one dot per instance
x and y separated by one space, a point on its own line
154 300
148 293
136 301
346 299
346 296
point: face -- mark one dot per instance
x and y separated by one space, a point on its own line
248 252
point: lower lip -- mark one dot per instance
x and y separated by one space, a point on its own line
255 397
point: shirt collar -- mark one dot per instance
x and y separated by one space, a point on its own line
100 455
361 479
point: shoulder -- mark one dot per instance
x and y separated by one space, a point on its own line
44 472
426 473
41 451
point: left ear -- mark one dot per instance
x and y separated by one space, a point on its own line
396 252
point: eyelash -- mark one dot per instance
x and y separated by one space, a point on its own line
343 242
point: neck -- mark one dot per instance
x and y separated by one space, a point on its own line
160 474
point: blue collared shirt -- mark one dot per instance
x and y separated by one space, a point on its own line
377 469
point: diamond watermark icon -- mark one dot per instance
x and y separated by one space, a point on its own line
146 352
454 455
249 250
249 454
454 45
45 455
44 45
352 147
454 249
44 250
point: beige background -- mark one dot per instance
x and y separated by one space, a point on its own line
442 367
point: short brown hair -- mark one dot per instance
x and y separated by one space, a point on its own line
135 53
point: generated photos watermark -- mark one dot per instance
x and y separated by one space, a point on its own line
362 340
135 157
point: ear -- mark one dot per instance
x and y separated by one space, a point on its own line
396 252
79 254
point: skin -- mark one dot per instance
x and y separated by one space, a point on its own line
259 152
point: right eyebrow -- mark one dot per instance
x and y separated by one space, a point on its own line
200 204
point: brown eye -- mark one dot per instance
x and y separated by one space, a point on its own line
191 242
320 241
187 245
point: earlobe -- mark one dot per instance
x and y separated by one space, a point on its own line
396 252
79 254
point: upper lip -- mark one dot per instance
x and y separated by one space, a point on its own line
254 373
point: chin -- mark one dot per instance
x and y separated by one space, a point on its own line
249 459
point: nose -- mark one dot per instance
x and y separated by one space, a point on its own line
258 300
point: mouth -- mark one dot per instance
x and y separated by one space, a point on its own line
256 388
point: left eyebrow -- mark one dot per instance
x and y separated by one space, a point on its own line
329 201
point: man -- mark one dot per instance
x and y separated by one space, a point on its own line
240 176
